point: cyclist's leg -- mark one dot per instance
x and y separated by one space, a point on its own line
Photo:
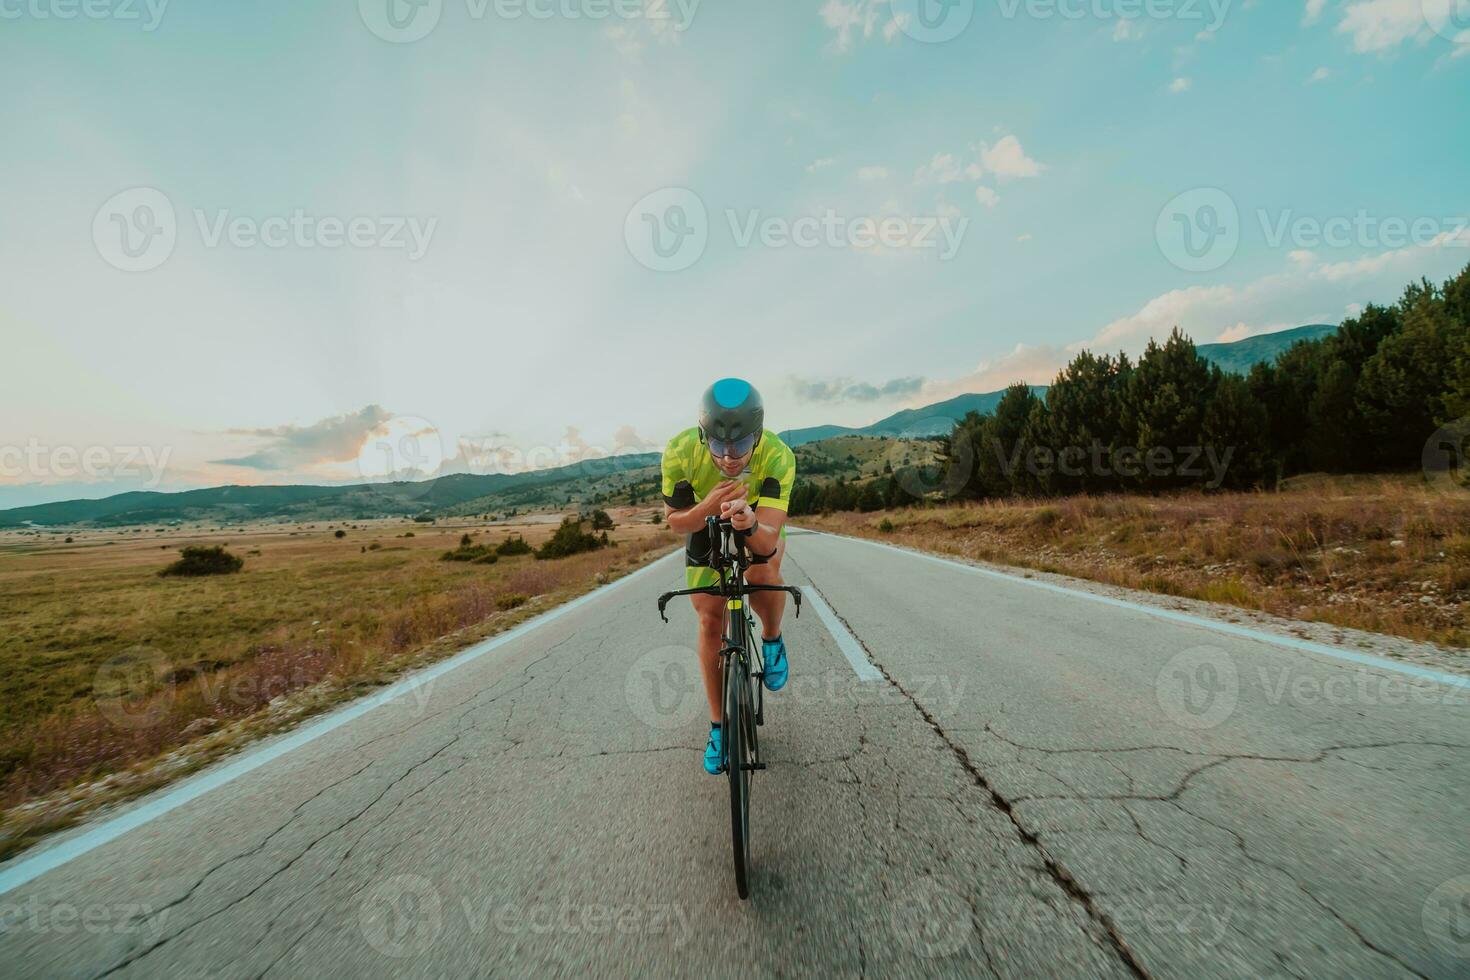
769 606
710 613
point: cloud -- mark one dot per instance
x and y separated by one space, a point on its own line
821 164
1008 159
852 19
847 390
872 173
1321 75
986 196
1313 12
338 439
1381 25
1126 30
1180 85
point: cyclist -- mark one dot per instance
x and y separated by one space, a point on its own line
731 467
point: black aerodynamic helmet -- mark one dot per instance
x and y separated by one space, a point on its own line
731 417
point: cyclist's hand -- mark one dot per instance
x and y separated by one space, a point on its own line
739 513
722 494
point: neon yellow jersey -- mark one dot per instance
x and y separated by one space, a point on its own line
689 472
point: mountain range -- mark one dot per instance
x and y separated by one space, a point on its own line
937 419
465 493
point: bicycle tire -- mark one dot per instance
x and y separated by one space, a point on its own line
736 754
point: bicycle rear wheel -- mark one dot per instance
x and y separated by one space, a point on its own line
737 756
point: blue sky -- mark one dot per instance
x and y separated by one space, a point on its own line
496 298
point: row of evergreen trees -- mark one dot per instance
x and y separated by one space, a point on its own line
1367 398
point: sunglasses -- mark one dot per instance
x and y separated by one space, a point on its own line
731 449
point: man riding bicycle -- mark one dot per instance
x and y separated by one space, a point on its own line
731 467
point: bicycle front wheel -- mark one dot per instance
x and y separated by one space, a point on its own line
737 756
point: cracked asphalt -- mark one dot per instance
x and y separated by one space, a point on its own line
1040 786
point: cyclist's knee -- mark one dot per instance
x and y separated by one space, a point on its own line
711 622
767 574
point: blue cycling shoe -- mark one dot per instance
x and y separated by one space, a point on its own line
714 752
774 652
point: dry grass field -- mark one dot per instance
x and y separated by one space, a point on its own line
1385 554
110 668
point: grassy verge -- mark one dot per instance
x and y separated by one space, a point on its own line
117 680
1384 554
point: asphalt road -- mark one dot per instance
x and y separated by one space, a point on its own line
1036 785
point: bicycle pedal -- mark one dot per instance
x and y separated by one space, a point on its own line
754 765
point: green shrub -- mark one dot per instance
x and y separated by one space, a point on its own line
570 539
339 533
205 560
477 553
514 546
600 521
886 526
510 600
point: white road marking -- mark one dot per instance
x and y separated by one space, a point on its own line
846 642
27 868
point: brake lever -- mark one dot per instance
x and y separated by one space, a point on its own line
796 594
663 601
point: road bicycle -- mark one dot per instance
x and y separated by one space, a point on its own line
742 697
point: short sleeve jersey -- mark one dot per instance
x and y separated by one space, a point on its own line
689 472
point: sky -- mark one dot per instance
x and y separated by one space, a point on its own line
281 242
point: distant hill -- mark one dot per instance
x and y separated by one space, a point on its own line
359 501
1242 355
911 423
937 419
